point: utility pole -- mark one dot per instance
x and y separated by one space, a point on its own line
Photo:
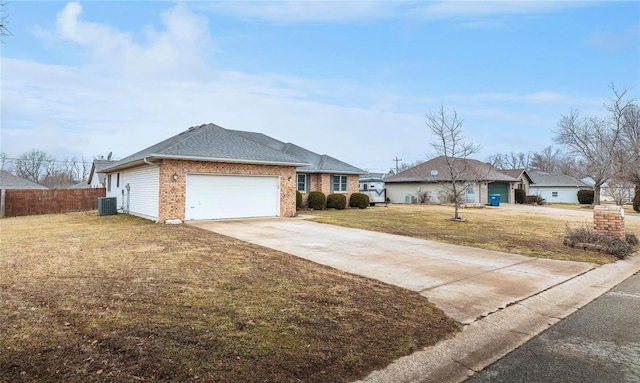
397 160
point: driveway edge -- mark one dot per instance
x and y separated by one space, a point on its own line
486 340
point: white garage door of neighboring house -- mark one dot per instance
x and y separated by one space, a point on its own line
222 196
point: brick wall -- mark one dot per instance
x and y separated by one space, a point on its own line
172 193
609 220
322 182
30 202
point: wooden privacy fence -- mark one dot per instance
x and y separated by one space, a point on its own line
15 203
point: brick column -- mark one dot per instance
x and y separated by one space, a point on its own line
609 220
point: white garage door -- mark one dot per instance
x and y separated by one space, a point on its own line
221 196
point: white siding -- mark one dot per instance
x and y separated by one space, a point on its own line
564 194
144 191
396 192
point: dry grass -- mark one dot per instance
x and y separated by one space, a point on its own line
507 229
87 298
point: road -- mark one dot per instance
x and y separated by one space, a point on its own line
598 343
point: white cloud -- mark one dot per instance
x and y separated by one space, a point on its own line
126 95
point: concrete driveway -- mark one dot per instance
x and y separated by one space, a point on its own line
466 283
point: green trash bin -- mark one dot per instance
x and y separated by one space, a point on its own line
495 199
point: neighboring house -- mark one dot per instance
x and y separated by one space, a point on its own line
428 182
611 191
96 175
556 187
9 181
208 172
524 180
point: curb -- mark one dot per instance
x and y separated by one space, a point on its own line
486 340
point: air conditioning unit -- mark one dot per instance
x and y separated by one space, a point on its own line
107 205
409 199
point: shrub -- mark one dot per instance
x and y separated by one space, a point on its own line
359 200
298 200
631 239
531 199
636 200
316 200
336 201
585 196
520 196
613 245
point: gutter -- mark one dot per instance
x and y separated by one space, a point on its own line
149 162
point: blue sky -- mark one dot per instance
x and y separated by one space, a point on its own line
350 79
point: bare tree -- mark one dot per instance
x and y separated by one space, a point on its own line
596 140
404 166
5 162
4 31
86 169
35 165
511 160
631 143
453 146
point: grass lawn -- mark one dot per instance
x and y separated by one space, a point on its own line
87 299
508 229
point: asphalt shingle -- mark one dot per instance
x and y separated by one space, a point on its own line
9 181
212 142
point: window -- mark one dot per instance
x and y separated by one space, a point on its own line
303 183
109 183
118 180
339 184
554 194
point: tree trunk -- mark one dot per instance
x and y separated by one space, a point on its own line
596 194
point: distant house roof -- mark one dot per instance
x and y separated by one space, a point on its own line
10 181
437 170
97 168
81 185
544 179
213 143
517 173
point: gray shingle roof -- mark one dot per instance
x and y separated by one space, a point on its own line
318 163
97 170
10 181
470 170
516 173
542 179
213 143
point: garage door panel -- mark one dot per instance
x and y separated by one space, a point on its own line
217 197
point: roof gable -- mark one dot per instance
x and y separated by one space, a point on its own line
517 173
437 170
97 168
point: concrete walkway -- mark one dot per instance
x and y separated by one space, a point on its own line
503 299
466 283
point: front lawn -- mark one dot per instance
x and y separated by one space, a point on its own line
87 299
508 229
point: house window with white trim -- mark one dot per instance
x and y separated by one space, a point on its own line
339 184
109 182
554 194
302 183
